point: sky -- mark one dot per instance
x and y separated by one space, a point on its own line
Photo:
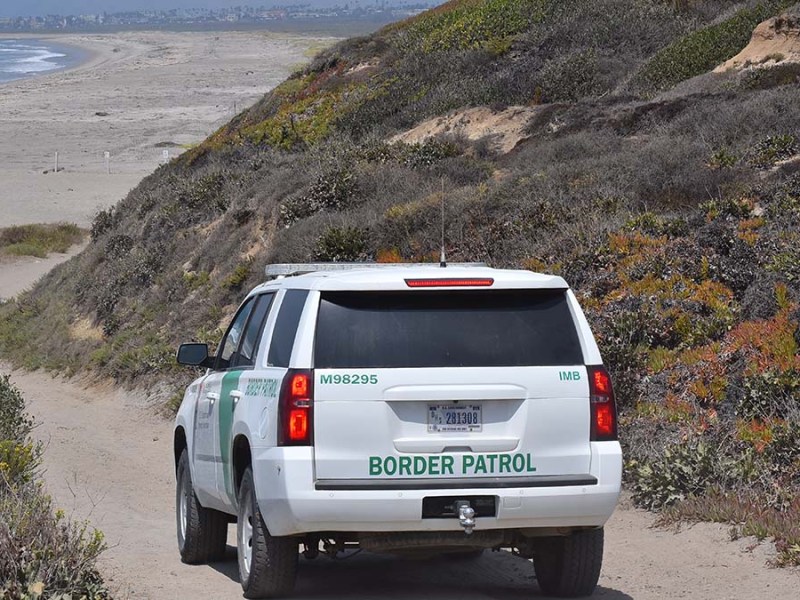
17 8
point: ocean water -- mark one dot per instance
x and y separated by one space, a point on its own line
23 58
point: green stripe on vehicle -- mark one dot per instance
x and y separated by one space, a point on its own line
230 382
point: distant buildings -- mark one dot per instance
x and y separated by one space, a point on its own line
384 10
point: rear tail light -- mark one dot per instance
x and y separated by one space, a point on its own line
295 410
604 409
467 282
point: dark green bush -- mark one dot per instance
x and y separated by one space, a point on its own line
15 425
236 280
205 193
118 246
103 221
684 470
334 190
773 149
426 153
765 78
770 394
700 51
342 244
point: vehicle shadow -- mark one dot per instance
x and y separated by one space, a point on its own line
364 575
228 567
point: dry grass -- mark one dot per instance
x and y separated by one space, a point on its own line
40 240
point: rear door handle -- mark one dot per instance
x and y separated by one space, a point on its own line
236 394
213 396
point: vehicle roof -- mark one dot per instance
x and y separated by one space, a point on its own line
394 278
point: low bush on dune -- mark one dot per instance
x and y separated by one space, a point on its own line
39 240
700 322
42 554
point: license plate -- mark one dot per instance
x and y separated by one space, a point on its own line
454 417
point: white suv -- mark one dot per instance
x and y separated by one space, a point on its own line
400 409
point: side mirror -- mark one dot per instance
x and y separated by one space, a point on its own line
194 355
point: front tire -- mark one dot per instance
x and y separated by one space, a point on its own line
267 565
569 567
202 532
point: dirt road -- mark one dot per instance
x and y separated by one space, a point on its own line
19 273
109 460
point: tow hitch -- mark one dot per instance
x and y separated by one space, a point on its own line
466 516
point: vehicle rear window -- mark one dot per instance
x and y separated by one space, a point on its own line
445 329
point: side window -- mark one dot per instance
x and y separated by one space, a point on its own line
246 355
280 350
234 335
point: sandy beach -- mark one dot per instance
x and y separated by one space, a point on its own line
138 95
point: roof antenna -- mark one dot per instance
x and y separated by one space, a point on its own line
442 258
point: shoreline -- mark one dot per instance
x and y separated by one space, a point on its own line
83 56
225 73
135 96
95 53
308 27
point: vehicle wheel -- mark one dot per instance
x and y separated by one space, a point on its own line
267 565
569 567
202 532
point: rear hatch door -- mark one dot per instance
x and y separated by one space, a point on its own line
438 385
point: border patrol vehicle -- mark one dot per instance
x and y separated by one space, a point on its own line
403 409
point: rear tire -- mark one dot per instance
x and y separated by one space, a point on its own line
569 567
202 532
267 565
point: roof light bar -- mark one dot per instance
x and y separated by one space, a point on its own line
290 269
431 283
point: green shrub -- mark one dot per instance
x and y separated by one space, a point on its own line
684 470
103 221
702 50
40 551
769 77
334 190
205 193
342 244
773 149
722 159
770 394
427 153
118 246
15 425
236 280
196 280
472 24
786 264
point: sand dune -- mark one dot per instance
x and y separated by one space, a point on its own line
138 95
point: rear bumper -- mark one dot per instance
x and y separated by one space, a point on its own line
292 502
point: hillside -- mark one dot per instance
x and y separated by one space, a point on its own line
589 139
